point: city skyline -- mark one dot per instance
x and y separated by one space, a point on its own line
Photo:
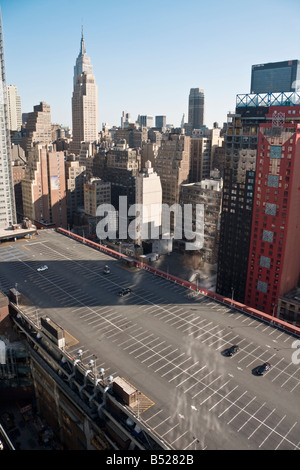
146 56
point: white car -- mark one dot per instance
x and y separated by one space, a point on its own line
42 268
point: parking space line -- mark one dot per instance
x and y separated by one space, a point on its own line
184 372
190 376
152 349
161 422
177 366
169 430
223 398
251 417
143 345
206 386
133 325
241 409
272 431
159 352
281 371
232 404
182 354
179 437
150 365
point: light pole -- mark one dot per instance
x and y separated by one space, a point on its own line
94 366
232 293
79 353
16 288
273 313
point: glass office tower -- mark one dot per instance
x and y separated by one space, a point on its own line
275 77
196 108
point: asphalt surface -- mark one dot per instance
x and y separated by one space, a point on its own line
166 341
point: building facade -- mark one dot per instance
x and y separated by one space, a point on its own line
75 179
120 165
96 193
208 193
14 108
145 121
149 196
125 119
276 77
196 108
44 187
240 148
274 258
84 102
160 122
134 135
38 127
204 143
172 164
235 233
18 174
7 200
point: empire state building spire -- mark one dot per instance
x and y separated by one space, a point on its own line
83 62
84 101
82 43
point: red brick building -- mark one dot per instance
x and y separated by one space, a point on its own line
274 255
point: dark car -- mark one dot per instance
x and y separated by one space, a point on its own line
232 350
261 370
123 292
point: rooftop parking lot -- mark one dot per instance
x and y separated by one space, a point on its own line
168 342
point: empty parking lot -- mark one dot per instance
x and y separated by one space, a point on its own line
167 341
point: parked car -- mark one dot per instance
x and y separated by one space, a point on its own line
261 370
124 291
42 268
232 350
106 269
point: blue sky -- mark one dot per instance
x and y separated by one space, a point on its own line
146 54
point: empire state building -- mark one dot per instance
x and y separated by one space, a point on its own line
84 101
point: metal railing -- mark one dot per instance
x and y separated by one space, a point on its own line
267 99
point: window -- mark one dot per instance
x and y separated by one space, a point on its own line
270 209
275 151
273 181
267 236
265 261
262 286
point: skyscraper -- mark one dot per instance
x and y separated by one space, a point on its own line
14 108
196 108
160 121
237 202
274 258
172 165
84 101
125 119
38 127
275 77
7 203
